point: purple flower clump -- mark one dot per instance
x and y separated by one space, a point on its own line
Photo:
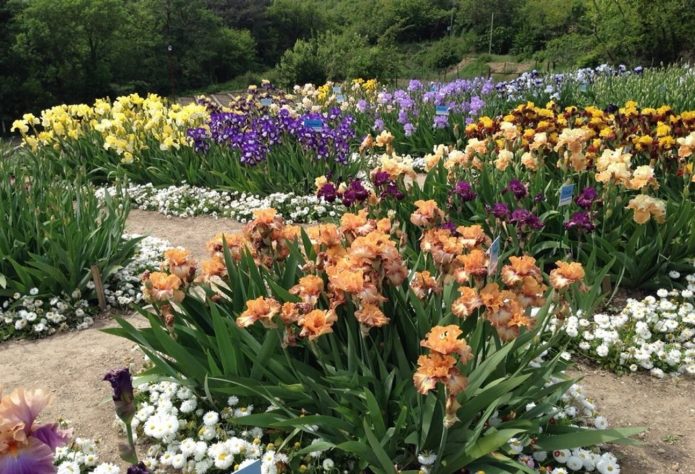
500 210
355 192
586 198
580 220
465 191
524 217
517 188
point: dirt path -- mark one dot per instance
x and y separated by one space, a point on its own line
72 365
191 233
666 408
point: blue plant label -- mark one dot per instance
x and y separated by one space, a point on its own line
340 98
583 87
253 468
441 110
433 88
266 102
566 192
314 124
337 90
494 252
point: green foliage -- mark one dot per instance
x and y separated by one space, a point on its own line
355 391
55 231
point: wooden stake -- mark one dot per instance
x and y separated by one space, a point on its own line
99 287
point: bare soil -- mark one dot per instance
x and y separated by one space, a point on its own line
664 407
71 367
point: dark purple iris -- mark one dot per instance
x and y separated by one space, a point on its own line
328 192
392 191
517 188
580 220
450 226
521 217
586 198
381 177
538 197
355 192
122 385
139 468
465 191
500 210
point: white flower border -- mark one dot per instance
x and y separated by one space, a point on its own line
35 316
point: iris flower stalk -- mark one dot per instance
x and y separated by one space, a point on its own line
124 401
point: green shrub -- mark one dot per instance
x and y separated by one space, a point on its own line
53 232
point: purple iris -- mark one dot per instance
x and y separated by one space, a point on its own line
378 125
355 192
440 121
328 192
409 129
380 178
538 197
392 191
122 385
465 191
524 217
450 226
517 188
500 210
139 468
580 220
586 198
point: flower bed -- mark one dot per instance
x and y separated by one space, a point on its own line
32 315
181 432
188 201
655 334
307 325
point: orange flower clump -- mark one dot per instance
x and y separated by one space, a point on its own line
444 340
162 287
317 323
260 309
427 213
468 302
566 274
647 207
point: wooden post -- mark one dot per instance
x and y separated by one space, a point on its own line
99 287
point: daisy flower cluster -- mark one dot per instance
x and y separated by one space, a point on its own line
574 408
187 201
31 315
183 434
80 457
655 334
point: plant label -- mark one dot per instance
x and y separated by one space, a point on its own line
566 192
433 88
441 110
266 102
337 90
340 98
314 124
494 252
253 468
583 87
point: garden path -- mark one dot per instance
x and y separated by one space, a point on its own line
71 367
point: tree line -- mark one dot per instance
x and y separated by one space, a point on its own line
67 51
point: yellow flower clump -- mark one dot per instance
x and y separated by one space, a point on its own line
125 126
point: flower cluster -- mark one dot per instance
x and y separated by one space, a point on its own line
189 201
126 126
33 316
322 135
655 334
182 434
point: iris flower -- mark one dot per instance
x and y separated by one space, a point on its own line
26 448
